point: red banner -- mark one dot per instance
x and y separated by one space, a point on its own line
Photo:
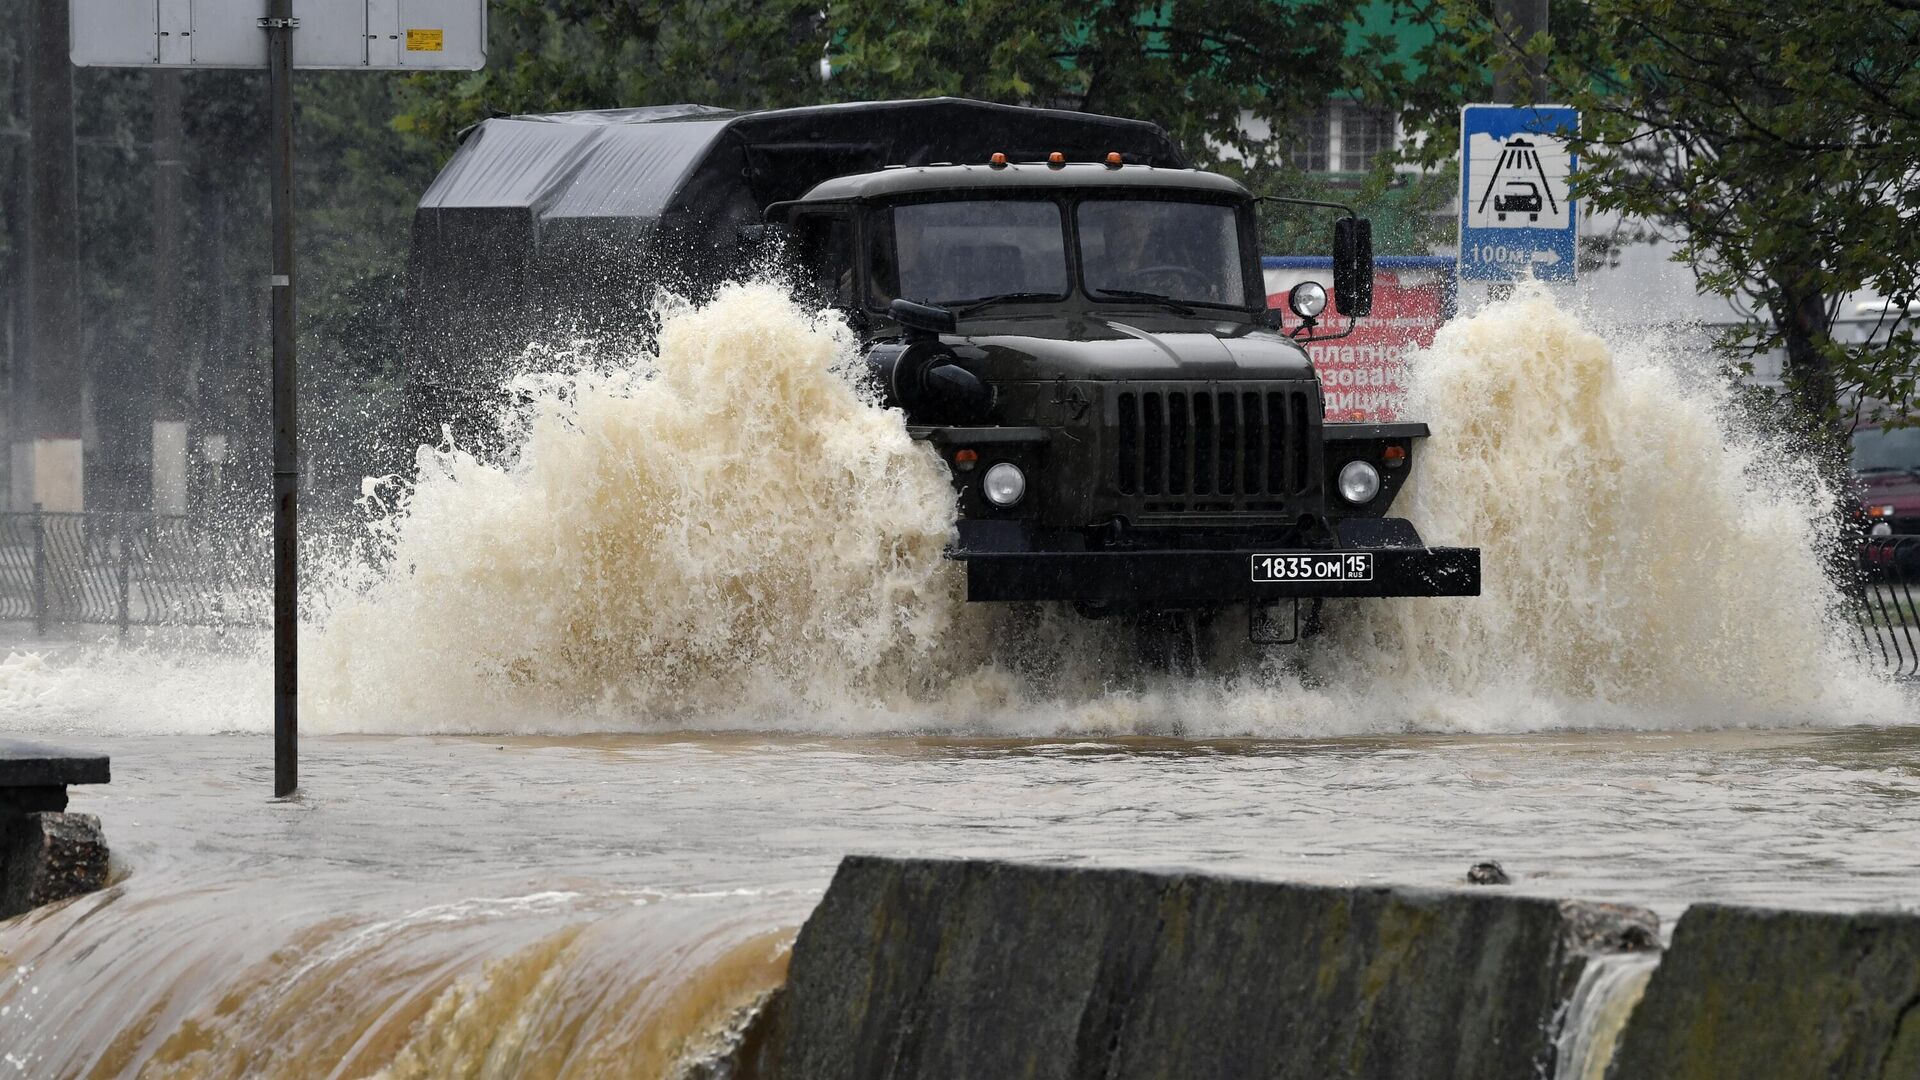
1363 375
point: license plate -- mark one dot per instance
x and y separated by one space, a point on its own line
1314 566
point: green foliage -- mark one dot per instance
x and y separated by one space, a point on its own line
560 55
1409 210
1782 142
1198 68
1775 145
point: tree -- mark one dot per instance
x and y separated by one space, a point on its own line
1229 79
559 55
1777 146
1782 142
1201 68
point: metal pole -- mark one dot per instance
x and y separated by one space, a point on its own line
1518 20
279 25
53 373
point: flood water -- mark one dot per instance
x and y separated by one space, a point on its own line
591 724
598 905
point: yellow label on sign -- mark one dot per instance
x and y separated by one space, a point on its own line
425 40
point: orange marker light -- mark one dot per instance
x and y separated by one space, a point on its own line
1113 160
998 160
1056 159
964 459
1394 456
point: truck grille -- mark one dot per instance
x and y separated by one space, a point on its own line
1221 441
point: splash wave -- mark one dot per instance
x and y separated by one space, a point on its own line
728 533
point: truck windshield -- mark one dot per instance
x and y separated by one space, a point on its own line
953 252
1886 450
1187 252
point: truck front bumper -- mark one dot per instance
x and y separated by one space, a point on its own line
1173 579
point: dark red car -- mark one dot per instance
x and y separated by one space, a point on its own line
1887 461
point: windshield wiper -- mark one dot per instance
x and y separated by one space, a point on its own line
984 301
1151 297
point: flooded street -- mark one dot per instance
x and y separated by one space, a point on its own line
607 901
580 758
1171 541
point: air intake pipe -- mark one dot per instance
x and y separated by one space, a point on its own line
922 376
925 380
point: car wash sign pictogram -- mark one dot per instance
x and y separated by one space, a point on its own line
1517 216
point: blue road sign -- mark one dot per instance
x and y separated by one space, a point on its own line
1517 217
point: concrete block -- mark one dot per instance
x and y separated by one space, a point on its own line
1757 994
936 969
48 856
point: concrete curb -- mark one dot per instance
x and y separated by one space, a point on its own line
49 856
924 968
1758 993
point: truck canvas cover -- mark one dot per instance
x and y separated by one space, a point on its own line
564 223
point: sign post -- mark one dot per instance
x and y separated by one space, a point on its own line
1518 218
367 35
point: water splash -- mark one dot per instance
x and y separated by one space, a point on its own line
726 526
729 534
1639 555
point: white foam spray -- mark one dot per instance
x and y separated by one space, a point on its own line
726 527
1641 558
728 533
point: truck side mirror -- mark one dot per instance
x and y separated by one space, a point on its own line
1353 266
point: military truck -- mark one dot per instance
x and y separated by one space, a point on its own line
1069 315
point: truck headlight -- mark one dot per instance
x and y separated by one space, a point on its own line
1307 299
1881 528
1359 482
1004 484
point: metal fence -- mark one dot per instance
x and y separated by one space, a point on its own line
1888 603
136 569
131 569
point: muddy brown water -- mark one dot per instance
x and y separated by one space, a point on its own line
597 906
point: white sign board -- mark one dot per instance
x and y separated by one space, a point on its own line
379 34
1518 216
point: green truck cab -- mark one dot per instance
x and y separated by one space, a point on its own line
1089 349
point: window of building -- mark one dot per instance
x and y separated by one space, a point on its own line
1342 137
1364 135
1313 141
